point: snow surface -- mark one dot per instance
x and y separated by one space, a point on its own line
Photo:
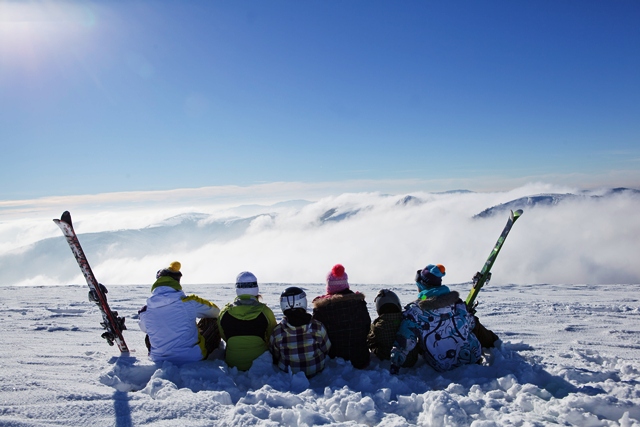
570 356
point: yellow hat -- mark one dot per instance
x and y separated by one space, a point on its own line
172 271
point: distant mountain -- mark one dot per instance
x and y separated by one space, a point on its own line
456 192
171 234
255 209
552 199
191 231
409 200
180 219
333 215
619 190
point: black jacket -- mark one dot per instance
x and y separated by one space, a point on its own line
346 318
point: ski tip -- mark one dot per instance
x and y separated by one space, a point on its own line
66 217
516 214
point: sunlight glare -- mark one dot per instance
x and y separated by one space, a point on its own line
31 31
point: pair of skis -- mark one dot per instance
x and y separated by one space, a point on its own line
112 324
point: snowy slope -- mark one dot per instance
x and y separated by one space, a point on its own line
552 199
570 356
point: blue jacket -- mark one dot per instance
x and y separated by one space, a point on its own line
441 327
170 322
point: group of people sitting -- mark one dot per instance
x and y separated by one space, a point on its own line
437 325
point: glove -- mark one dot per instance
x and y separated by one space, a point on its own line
396 358
394 370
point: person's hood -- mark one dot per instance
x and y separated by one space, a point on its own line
337 298
439 301
166 281
298 318
251 307
163 296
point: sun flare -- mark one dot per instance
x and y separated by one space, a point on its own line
32 32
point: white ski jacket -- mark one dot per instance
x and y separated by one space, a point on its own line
170 321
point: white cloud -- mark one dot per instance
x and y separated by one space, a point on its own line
378 240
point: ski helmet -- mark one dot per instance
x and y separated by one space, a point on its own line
385 296
247 284
293 297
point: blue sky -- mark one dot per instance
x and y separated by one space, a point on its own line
156 95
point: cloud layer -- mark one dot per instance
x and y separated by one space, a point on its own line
380 238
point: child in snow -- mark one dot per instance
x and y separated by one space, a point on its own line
169 320
299 342
384 329
246 324
438 323
345 315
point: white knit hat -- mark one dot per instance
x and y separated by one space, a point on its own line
247 284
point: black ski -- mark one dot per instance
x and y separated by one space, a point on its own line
113 324
483 276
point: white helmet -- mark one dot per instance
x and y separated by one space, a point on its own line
293 297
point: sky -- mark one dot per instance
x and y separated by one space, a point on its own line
140 96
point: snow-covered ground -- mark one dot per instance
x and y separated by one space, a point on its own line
570 356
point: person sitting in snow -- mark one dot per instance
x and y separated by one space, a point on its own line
439 323
246 324
384 329
345 315
299 343
169 320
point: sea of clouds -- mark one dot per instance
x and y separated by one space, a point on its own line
284 237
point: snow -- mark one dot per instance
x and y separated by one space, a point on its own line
570 355
570 352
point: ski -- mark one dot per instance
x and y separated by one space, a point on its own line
483 276
113 324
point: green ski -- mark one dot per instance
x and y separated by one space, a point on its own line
483 276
